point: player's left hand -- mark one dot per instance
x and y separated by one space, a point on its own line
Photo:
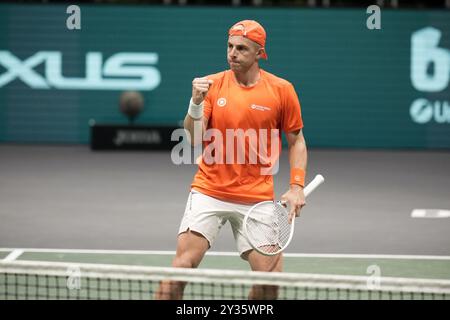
295 199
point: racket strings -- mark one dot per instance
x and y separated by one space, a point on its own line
268 227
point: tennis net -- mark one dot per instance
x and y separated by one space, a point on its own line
57 280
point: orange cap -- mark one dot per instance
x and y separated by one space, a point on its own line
251 30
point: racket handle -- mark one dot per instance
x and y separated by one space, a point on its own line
317 181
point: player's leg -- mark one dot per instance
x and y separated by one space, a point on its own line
259 262
191 248
199 227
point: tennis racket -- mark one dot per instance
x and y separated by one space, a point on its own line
266 224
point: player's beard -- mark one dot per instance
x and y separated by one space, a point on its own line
239 66
235 66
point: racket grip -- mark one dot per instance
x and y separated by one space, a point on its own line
317 181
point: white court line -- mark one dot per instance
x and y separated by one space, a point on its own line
235 254
430 213
13 255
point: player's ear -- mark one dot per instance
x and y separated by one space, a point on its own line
260 52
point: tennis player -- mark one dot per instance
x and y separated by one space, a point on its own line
241 98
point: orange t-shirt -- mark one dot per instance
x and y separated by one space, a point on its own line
271 104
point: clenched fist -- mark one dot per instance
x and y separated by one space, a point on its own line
200 87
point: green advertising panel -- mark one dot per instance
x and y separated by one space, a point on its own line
358 87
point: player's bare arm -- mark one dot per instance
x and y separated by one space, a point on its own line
193 123
298 158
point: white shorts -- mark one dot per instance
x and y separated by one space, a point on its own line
207 215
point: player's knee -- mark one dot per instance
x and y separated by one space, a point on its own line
183 262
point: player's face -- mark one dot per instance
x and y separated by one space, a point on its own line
242 53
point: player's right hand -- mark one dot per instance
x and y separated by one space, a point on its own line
200 87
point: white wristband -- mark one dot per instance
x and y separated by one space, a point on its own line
195 111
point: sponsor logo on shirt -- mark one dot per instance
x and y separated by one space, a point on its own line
221 102
261 108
